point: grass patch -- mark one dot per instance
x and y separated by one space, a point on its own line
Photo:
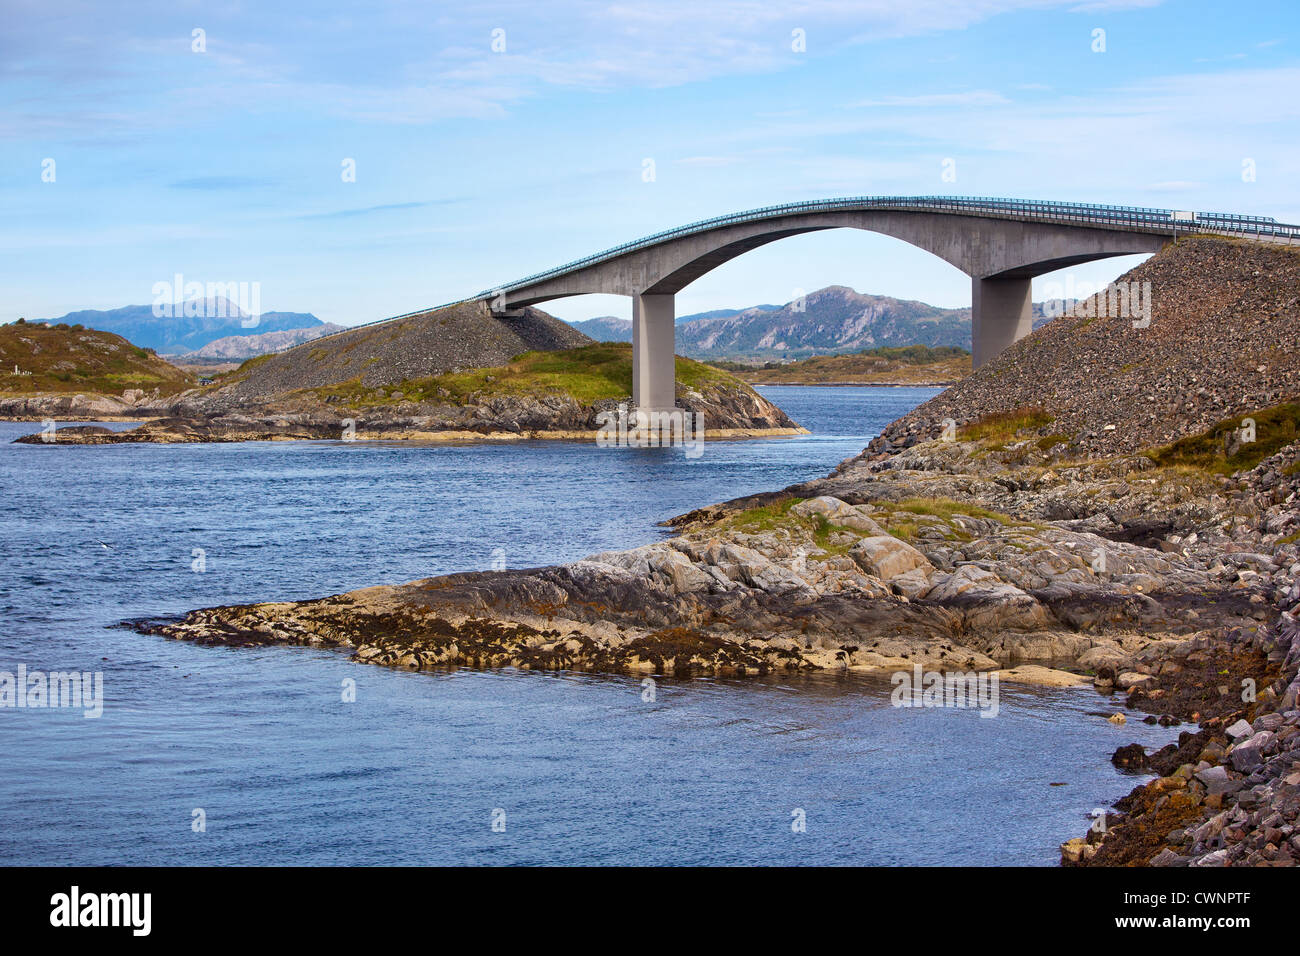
588 374
904 363
1275 428
1047 442
763 518
901 517
1003 426
777 515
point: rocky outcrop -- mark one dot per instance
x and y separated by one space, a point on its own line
851 582
128 406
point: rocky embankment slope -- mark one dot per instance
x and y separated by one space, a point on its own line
1224 339
458 337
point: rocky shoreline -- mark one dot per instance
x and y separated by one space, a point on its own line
82 406
726 412
188 431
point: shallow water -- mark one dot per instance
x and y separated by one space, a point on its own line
584 768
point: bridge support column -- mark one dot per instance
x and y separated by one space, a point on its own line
1001 313
653 341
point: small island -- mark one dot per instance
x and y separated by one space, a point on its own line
901 365
452 374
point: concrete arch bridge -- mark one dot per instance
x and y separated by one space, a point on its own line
1000 243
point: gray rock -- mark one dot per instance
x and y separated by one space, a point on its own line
1249 754
886 557
1217 782
838 512
1238 730
1267 722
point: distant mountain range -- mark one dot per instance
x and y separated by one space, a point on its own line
236 348
179 334
833 320
610 328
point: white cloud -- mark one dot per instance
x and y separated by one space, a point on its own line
969 98
439 63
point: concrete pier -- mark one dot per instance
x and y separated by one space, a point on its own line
653 361
1002 312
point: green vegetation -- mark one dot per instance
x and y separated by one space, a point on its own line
588 374
777 515
35 357
239 374
764 518
904 519
1048 442
1004 426
918 354
904 363
1221 449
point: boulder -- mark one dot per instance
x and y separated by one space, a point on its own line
1217 781
911 584
1131 757
1249 754
989 603
1106 654
1239 730
966 579
1131 679
749 567
661 565
887 557
838 512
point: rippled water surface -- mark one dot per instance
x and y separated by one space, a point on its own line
585 770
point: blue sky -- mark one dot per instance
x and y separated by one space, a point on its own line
475 167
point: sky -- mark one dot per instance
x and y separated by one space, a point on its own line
492 140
